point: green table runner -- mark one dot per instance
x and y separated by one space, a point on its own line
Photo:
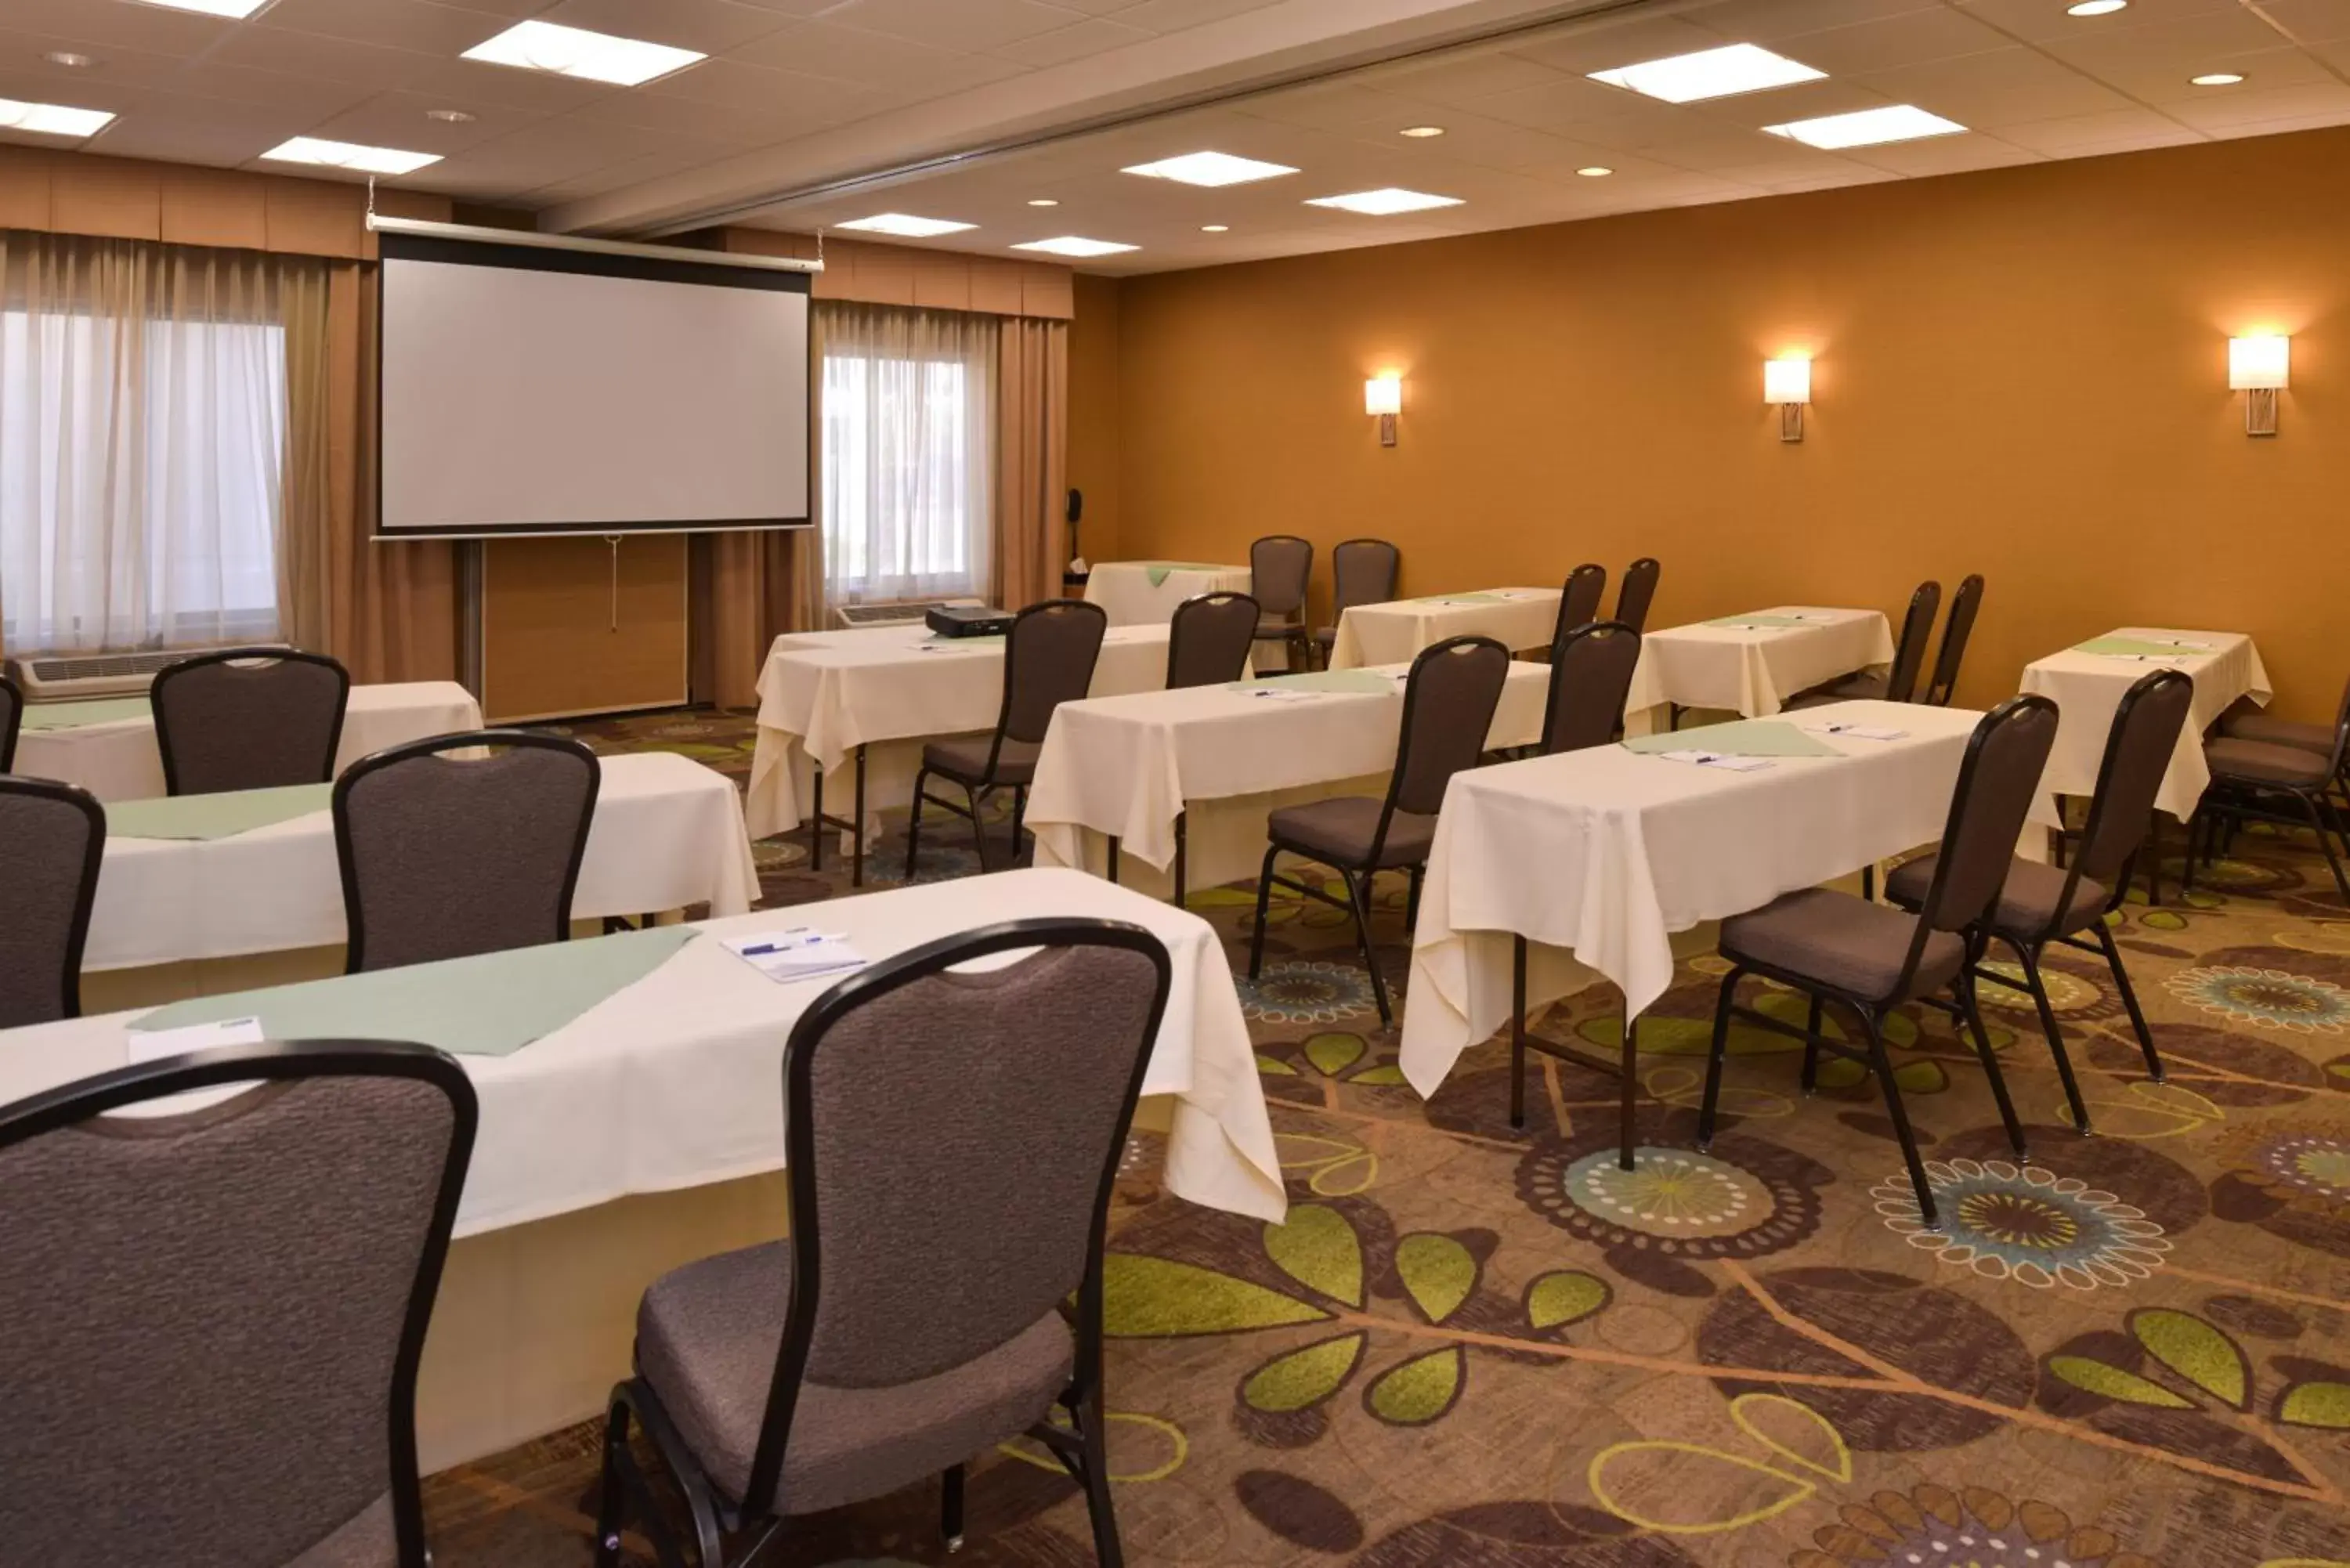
1159 571
1762 621
222 815
1739 738
81 715
1365 681
2131 647
492 1005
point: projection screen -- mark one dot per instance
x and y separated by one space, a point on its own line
527 390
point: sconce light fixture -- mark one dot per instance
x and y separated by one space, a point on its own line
1383 397
2257 366
1788 383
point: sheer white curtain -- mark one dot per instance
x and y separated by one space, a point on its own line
908 464
142 435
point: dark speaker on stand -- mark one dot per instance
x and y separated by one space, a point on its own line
1075 575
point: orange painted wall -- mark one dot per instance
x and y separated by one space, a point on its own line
2021 372
1094 441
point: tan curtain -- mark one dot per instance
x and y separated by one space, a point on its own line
1032 464
765 584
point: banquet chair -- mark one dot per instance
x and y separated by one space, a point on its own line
215 1360
1871 959
2252 779
1578 601
1638 591
1362 572
444 857
1448 709
1899 683
1048 660
951 1142
52 839
2038 904
1209 639
11 717
248 718
1590 677
2246 722
1281 569
1957 628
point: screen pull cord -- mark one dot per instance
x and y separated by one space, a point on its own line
614 541
370 213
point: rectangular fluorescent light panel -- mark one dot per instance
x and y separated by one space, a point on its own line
237 8
1072 245
576 52
908 226
1710 73
1867 128
350 155
1211 169
1384 202
52 118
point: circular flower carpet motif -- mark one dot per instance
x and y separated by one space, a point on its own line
2025 1224
2304 1164
1933 1527
1293 990
2272 997
1744 1199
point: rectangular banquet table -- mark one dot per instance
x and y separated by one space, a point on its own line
875 695
109 748
1392 633
1750 664
1145 593
668 831
1220 760
2087 685
642 1131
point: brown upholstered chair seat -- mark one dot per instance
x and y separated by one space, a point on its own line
2027 899
1326 636
2263 762
1339 832
1273 627
2270 731
964 759
1851 689
1842 941
707 1335
371 1540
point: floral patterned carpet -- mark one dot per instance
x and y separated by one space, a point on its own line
1475 1347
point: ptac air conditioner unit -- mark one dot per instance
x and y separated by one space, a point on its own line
855 616
64 677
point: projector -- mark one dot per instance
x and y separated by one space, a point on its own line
968 620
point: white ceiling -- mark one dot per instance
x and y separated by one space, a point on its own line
800 94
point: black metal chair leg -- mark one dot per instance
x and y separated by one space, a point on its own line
2325 843
971 793
857 839
2154 860
1812 1050
610 1499
1113 860
2197 831
2039 989
1183 851
816 818
1868 882
1099 1510
951 1507
1517 1032
1883 1067
2129 1001
1714 1055
1019 818
1263 897
1972 1008
1358 893
914 820
1627 1111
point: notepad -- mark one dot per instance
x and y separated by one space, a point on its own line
1715 760
1368 681
153 1044
1738 738
797 954
1858 731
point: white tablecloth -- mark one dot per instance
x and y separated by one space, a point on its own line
1125 590
1599 856
1753 673
1125 766
2087 688
667 833
824 693
1392 633
675 1081
119 761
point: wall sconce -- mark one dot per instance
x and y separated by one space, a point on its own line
1383 395
2257 366
1788 383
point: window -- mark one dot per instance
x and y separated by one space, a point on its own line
907 467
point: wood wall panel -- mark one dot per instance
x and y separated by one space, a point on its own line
214 207
874 274
23 188
110 198
553 643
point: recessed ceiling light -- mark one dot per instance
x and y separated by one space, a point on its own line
1710 73
68 59
1384 202
213 7
350 155
576 52
1215 228
1867 128
2215 78
1596 171
449 116
2096 7
1421 130
1071 245
52 118
1211 169
1043 201
907 225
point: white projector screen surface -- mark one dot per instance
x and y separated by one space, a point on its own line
529 396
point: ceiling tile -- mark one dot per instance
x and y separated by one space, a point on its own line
712 26
1943 155
2115 130
307 54
121 23
2012 84
1175 16
1077 41
395 24
1772 22
1600 49
1911 38
2304 104
1341 105
823 48
969 24
398 119
2311 21
2047 21
1469 82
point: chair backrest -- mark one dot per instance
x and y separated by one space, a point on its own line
1590 677
251 718
1638 590
2138 748
215 1315
2340 733
1917 630
1996 779
1281 567
1013 1087
1209 638
1578 603
52 839
1048 660
12 717
445 856
1362 572
1448 711
1956 629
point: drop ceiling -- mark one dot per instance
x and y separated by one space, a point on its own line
813 112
